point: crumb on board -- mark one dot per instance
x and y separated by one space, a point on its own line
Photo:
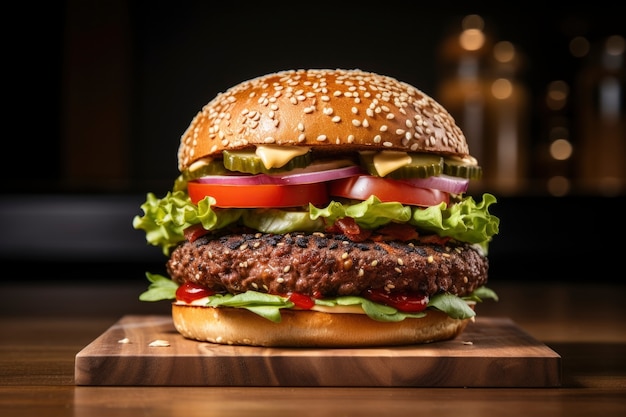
159 343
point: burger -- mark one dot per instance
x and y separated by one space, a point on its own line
321 208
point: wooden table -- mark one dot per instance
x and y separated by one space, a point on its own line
43 327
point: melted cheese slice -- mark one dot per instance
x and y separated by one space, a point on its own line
275 156
388 161
200 163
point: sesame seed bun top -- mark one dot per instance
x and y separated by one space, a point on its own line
322 109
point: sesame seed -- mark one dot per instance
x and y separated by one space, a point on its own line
430 259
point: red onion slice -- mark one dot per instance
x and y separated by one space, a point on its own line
289 179
320 176
446 183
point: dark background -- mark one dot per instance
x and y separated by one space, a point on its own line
97 94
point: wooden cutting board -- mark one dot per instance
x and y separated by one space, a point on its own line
491 352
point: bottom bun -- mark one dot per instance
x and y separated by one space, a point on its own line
305 328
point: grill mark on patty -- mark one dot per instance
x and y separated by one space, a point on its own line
325 265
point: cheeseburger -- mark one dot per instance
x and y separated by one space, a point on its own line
321 208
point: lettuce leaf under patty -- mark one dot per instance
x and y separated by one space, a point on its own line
269 306
164 220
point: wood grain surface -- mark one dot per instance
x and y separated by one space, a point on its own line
492 352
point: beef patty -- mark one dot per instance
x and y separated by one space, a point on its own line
325 265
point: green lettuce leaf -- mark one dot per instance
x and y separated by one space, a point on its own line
482 293
265 305
160 288
368 214
466 221
452 305
281 221
269 306
165 220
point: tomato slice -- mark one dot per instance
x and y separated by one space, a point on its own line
408 301
189 292
259 196
363 186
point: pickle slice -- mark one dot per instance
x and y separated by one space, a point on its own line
248 161
421 165
203 167
462 167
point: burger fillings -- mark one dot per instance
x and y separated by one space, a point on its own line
321 208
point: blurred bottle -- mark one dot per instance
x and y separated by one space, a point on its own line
463 87
601 116
481 88
507 124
